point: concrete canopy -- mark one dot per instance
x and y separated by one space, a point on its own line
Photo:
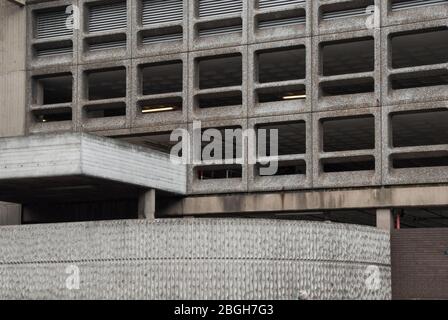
81 166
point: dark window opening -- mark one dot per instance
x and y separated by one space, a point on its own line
106 84
281 19
348 56
105 110
420 79
222 27
420 160
231 142
411 4
52 115
348 164
291 137
219 172
419 128
160 105
220 71
419 48
286 168
281 64
164 77
54 89
286 93
351 133
50 49
224 99
161 35
347 87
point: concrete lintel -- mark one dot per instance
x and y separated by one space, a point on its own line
303 201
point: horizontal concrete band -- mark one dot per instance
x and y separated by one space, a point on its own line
195 259
298 201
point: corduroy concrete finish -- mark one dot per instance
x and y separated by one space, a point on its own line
195 259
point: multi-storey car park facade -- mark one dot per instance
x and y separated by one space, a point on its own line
357 90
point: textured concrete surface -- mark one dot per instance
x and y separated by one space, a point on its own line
310 34
195 259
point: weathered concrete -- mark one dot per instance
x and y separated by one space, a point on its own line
195 259
384 219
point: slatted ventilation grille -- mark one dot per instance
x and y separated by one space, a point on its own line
52 24
220 31
42 53
283 22
265 4
161 11
339 14
211 8
119 44
155 39
108 17
402 5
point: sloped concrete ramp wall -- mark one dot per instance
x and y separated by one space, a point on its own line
195 259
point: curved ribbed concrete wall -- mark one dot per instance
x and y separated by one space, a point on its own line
195 259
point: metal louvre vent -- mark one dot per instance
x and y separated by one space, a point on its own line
220 30
264 4
153 39
345 13
161 11
210 8
281 22
52 24
416 3
108 17
107 45
41 53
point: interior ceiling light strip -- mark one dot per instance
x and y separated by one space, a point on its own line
210 8
108 17
416 3
52 24
161 11
264 4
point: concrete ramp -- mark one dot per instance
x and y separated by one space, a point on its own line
80 166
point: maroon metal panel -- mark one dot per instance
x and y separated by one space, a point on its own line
419 263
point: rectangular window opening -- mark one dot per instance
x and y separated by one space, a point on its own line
116 41
348 133
397 5
291 137
161 35
105 110
291 18
420 160
285 168
52 115
220 71
219 172
221 27
286 93
50 49
344 10
347 87
106 84
348 56
160 105
348 164
54 89
417 48
222 99
281 64
421 79
419 128
230 139
162 77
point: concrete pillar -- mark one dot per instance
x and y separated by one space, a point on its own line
10 214
147 205
384 219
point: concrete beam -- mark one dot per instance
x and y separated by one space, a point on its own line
305 201
20 3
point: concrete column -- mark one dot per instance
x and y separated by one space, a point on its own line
10 214
147 205
384 219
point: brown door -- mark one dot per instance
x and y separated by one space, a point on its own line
420 263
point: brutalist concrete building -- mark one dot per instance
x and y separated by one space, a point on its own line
92 90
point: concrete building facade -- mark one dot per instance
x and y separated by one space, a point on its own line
356 89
